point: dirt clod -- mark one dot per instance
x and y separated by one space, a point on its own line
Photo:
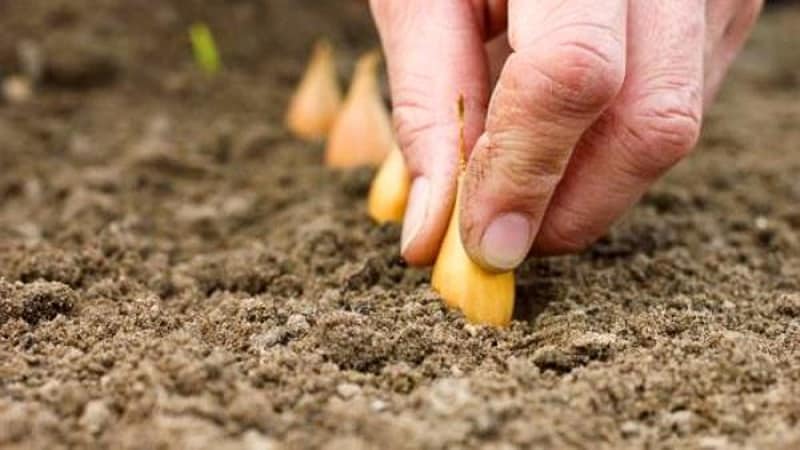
35 302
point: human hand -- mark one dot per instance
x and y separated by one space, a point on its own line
597 100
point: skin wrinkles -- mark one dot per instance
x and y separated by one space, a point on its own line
566 131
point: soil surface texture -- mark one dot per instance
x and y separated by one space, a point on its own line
177 272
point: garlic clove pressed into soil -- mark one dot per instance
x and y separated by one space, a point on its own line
388 193
485 297
362 133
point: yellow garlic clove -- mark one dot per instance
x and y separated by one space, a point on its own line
362 133
484 297
318 98
388 193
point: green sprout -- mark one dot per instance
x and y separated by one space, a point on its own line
204 48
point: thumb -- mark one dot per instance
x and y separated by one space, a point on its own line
435 55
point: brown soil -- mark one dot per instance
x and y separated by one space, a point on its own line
176 272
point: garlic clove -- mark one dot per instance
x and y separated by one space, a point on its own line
362 132
318 98
388 193
484 297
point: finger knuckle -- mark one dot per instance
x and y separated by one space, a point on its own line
412 121
580 75
407 121
663 129
587 72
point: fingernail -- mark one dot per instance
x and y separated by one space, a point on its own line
416 211
506 241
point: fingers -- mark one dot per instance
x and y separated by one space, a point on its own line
435 54
729 23
653 123
567 66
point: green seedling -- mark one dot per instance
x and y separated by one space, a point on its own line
204 48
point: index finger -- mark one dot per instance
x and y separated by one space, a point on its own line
435 55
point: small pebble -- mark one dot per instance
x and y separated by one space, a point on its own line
348 390
17 90
95 416
629 429
253 440
297 324
378 405
268 339
727 304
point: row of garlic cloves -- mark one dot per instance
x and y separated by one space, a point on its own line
358 129
359 132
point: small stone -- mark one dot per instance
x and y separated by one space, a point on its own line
193 213
682 422
485 423
727 304
17 90
253 440
96 416
629 429
297 324
348 390
473 330
378 405
236 206
268 339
